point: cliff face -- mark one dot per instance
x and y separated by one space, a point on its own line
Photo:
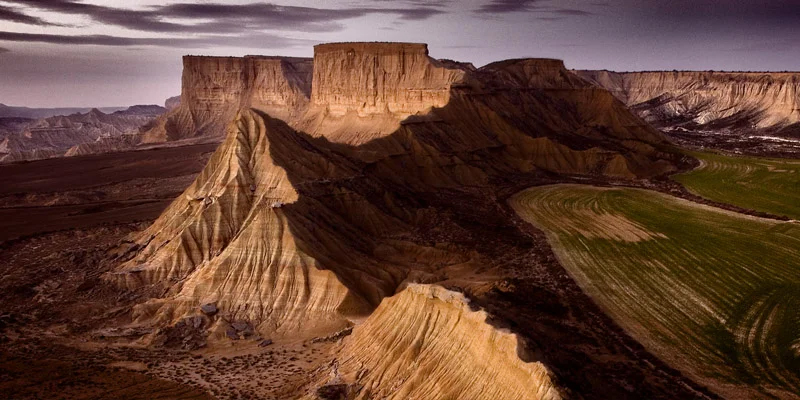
709 100
378 78
214 88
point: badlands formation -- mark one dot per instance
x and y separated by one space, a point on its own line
365 191
755 100
749 107
74 134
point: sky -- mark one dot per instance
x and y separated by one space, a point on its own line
86 53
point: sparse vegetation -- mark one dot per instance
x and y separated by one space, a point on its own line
761 184
713 292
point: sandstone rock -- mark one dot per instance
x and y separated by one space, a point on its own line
244 235
426 335
172 103
376 78
215 88
707 99
302 232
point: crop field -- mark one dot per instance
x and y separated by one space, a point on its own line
761 184
714 293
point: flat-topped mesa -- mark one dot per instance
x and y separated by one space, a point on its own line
215 83
756 100
380 78
214 88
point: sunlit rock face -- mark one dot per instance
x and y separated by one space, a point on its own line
377 78
735 100
425 336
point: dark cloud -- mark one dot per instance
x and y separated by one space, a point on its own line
506 6
225 18
550 13
12 15
4 50
419 3
568 12
761 12
255 40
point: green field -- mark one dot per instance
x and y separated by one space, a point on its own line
761 184
714 293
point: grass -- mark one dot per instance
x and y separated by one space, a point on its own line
761 184
716 294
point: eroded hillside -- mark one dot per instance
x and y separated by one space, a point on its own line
744 111
75 134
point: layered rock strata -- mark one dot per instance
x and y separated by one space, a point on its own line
455 351
707 99
378 78
214 88
230 227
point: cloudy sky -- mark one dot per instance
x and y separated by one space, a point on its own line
124 52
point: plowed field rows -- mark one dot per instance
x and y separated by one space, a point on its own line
761 184
714 293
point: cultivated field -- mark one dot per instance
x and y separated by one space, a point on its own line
761 184
714 293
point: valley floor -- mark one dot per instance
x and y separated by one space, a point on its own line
713 292
762 184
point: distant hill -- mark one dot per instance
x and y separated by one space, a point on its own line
35 113
94 131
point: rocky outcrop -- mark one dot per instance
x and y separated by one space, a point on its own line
227 240
379 78
214 88
706 99
533 73
425 336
